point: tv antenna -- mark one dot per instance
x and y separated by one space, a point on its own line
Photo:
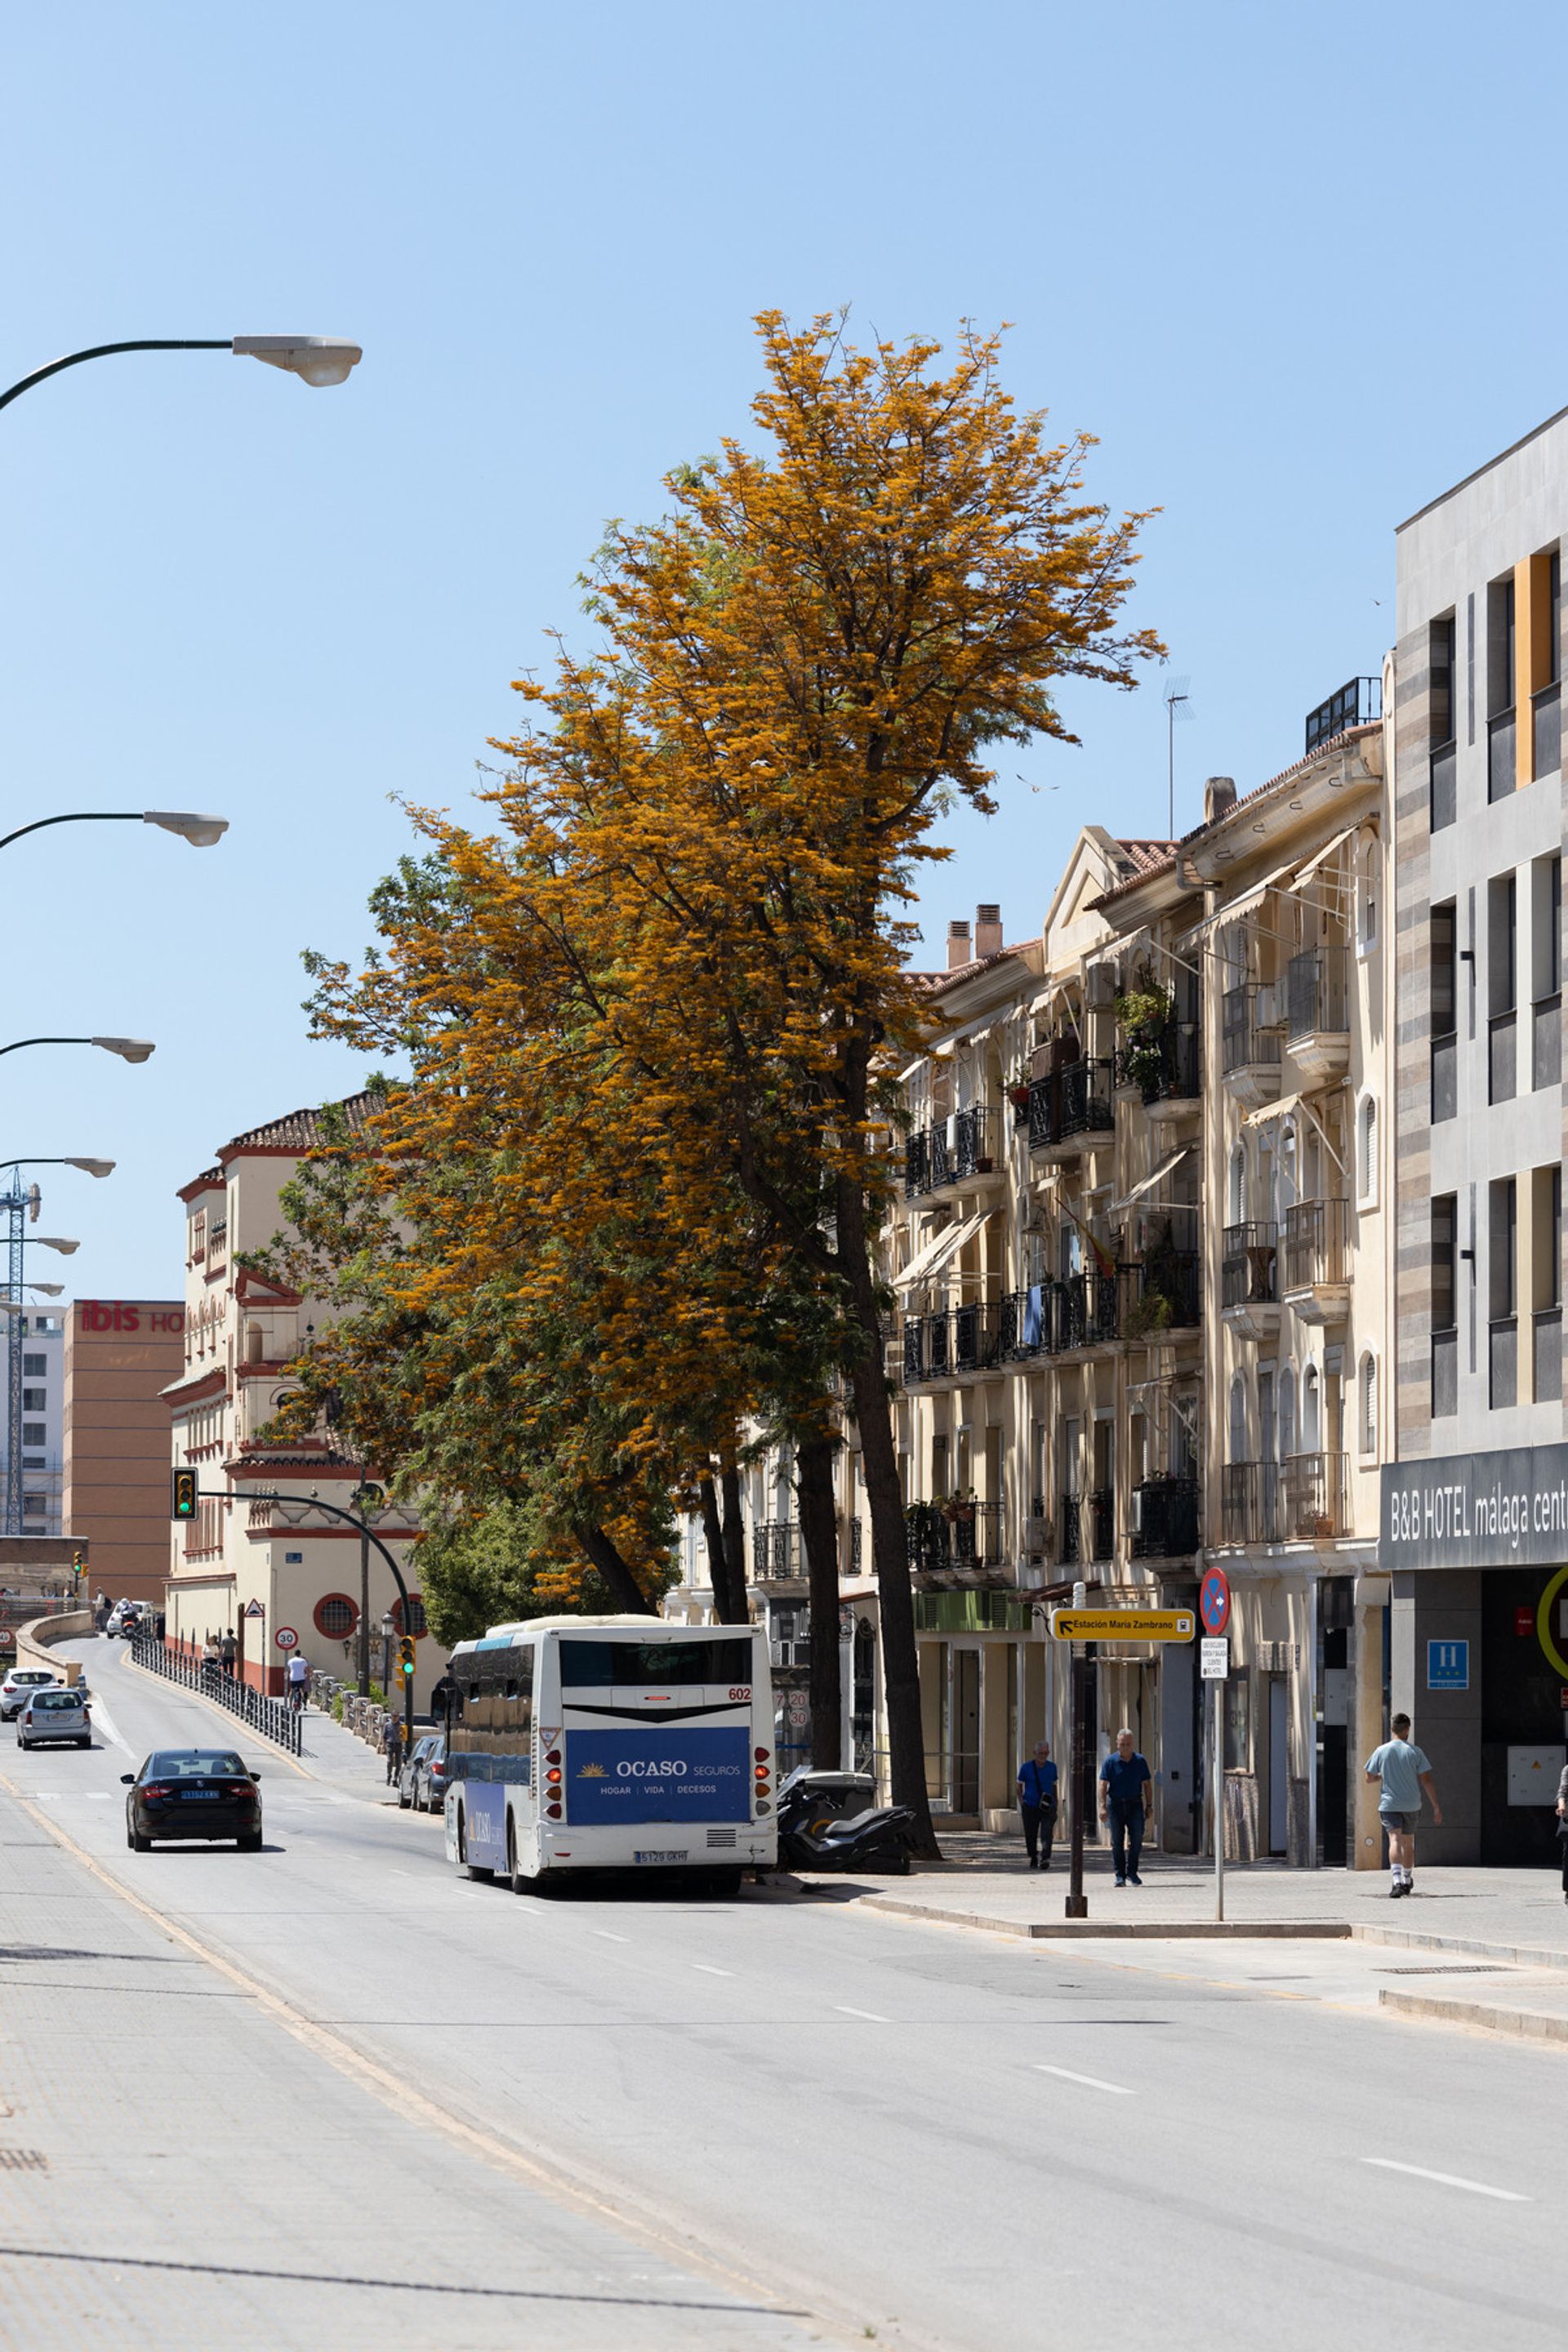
1178 705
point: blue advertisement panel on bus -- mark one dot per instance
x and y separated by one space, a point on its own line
484 1823
659 1773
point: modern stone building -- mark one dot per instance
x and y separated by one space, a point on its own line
1475 1526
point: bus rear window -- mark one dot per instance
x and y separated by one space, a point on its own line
653 1665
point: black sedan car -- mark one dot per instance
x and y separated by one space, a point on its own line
193 1792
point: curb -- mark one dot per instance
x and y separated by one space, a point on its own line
1107 1930
1474 1948
1519 2025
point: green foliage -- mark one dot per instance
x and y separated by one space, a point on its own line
501 1568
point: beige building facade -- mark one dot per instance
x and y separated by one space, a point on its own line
282 1576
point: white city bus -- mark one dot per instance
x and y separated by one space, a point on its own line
611 1743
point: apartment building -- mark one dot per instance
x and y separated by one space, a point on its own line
120 1355
280 1575
1475 1526
41 1341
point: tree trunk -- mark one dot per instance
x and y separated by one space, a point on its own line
734 1542
819 1541
717 1564
901 1662
622 1586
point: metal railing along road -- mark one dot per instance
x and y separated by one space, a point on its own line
272 1717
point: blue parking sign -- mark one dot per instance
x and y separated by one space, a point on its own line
1447 1665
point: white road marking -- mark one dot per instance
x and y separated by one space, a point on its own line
608 1938
103 1721
870 2015
707 1969
1450 2181
1091 2081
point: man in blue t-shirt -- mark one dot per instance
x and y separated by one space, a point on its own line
1126 1802
1038 1803
1406 1774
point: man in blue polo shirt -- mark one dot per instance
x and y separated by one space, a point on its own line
1126 1800
1038 1803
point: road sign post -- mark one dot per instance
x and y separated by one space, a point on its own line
1077 1626
1214 1661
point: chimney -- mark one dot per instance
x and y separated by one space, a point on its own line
1219 795
987 931
958 951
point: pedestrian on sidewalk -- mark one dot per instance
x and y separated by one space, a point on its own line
393 1749
1126 1802
1037 1805
1562 1826
227 1654
1406 1772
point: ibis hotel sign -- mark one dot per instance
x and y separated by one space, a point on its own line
1507 1510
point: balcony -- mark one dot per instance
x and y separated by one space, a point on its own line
1317 1264
1168 1297
1502 1057
1086 1311
955 1344
1025 1324
1356 704
1443 799
956 1150
957 1541
1249 1280
1165 1518
1069 1105
1249 1502
1312 1498
1444 1374
1249 1045
1317 1012
777 1555
1500 771
1547 1340
1546 721
1167 1070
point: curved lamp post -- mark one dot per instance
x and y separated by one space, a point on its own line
130 1049
200 831
314 358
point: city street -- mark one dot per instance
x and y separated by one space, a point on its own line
399 2102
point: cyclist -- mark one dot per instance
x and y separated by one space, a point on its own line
297 1675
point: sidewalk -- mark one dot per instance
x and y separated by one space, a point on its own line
1517 1916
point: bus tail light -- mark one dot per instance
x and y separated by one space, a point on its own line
553 1755
552 1777
553 1811
761 1755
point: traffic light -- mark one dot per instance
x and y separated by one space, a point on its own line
184 1505
405 1654
79 1566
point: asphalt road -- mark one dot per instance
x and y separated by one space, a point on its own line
840 2127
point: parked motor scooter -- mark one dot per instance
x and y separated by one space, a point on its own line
825 1822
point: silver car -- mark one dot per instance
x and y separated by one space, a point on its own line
57 1714
18 1688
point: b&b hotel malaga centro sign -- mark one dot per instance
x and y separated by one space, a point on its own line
1507 1510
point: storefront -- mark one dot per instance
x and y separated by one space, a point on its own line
1477 1549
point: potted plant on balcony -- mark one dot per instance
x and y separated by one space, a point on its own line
958 1509
1150 1312
1142 1016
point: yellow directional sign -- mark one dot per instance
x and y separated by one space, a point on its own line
1122 1625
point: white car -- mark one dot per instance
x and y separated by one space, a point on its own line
18 1688
57 1714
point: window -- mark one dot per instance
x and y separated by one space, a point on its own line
1440 703
34 1505
417 1612
1502 981
1368 1403
1546 1282
34 1367
1546 971
1237 1419
1366 1151
34 1434
1312 1412
336 1616
1442 992
1502 1290
35 1399
1501 768
1237 1722
1366 898
1237 1184
653 1665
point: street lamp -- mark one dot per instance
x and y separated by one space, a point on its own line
200 831
314 358
45 1241
130 1049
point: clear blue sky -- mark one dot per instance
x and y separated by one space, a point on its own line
1298 267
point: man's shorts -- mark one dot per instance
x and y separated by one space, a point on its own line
1405 1823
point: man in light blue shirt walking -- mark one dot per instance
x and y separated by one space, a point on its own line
1405 1773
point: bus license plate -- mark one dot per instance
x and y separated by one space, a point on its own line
682 1856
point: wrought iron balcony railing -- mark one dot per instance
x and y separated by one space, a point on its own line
1165 1518
1317 992
1244 1041
1356 704
1249 1264
954 1537
1078 1099
1164 1068
1314 1243
953 1340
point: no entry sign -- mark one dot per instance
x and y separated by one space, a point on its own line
1214 1600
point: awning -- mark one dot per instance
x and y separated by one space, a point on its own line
1322 856
1149 1183
936 1252
1284 1107
1237 909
